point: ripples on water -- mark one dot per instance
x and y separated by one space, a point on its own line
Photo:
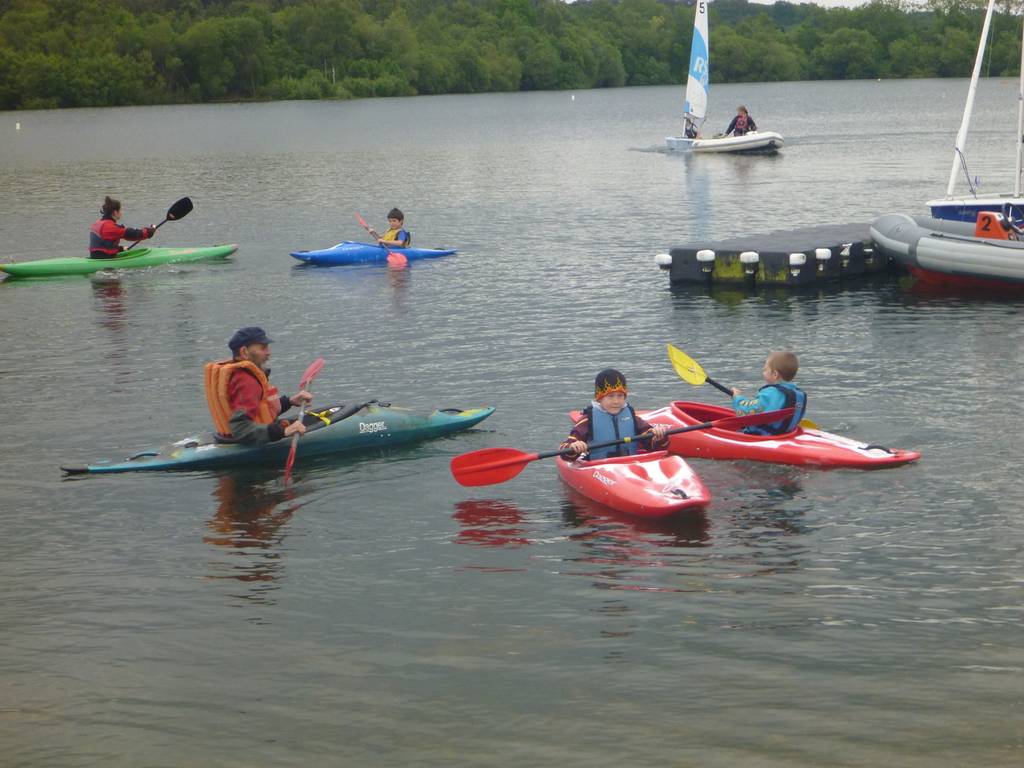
375 613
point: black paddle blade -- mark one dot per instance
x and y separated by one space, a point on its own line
180 209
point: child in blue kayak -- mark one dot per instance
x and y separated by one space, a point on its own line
609 417
779 371
396 236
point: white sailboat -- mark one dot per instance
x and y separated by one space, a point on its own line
695 107
967 208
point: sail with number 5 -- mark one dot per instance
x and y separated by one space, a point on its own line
697 83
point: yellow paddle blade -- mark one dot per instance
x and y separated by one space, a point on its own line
808 424
687 368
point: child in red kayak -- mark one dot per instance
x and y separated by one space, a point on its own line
396 236
779 371
609 417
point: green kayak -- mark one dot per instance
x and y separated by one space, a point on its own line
137 257
358 427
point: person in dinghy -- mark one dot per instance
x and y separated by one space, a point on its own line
244 407
779 392
741 124
609 417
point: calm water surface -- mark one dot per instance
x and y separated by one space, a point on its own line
375 613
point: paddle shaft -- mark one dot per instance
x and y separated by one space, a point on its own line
738 420
720 387
179 210
307 378
147 238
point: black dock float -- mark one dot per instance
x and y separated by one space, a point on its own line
794 257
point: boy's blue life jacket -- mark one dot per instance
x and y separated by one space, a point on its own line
796 398
604 428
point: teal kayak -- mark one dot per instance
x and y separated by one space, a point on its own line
135 258
357 427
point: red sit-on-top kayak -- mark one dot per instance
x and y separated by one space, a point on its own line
810 447
655 484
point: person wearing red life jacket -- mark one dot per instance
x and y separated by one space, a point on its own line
106 234
742 123
244 407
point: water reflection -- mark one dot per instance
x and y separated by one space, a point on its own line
490 523
764 526
623 547
248 525
110 297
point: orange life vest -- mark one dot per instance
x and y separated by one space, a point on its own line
216 378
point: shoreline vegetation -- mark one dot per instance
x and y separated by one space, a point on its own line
96 53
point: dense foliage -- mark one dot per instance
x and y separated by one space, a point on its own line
65 53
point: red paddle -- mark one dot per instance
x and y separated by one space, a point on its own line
496 465
396 260
307 377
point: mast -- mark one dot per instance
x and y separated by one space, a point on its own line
1020 117
961 136
696 104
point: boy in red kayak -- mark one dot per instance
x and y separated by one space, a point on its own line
396 236
779 371
609 417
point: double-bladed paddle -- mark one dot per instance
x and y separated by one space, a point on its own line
489 466
690 371
397 260
307 377
179 210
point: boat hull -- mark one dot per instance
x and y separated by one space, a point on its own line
967 209
359 427
753 142
803 447
649 485
945 252
350 252
134 259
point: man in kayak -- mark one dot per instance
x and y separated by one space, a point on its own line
779 371
106 234
396 236
245 408
609 417
741 124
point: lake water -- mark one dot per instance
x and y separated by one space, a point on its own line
374 613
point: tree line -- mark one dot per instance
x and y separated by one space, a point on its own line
83 53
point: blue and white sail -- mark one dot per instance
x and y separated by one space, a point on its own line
697 83
695 106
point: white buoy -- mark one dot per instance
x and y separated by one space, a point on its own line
17 126
706 259
749 260
572 97
663 260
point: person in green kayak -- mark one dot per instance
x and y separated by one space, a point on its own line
245 408
609 417
106 234
779 392
396 236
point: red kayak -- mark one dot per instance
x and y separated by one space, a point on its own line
810 447
652 485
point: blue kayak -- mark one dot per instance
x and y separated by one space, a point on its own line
350 252
360 427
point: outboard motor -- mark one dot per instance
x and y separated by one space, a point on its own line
994 226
